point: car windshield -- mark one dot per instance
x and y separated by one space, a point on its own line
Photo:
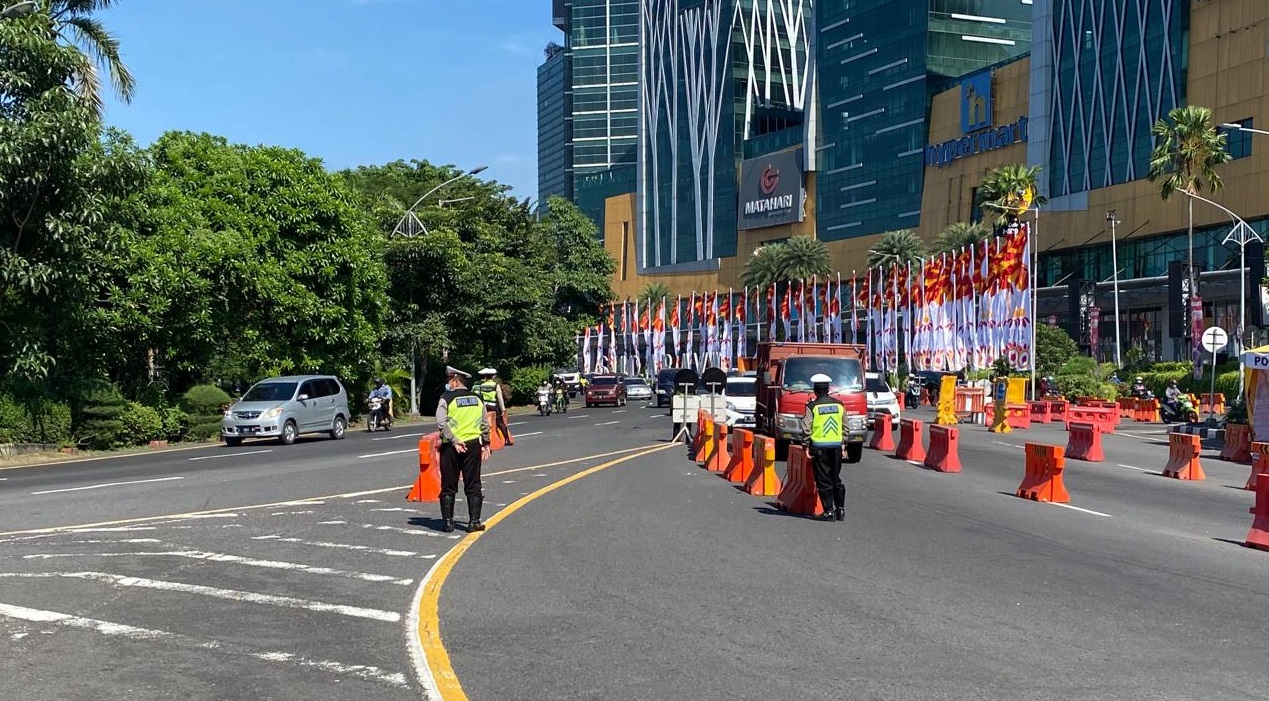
635 382
604 381
876 384
270 392
746 388
845 374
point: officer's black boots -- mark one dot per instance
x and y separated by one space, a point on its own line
447 513
473 514
826 500
839 497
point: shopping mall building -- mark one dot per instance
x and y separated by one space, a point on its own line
695 131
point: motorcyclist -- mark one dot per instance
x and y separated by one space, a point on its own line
561 395
1139 389
544 397
384 392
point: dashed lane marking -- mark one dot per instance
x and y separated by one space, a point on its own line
619 411
237 560
340 546
390 452
580 416
1141 469
608 423
1076 508
231 455
398 437
106 484
119 580
526 435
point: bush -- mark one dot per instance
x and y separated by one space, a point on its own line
1075 386
524 383
141 424
205 404
176 423
1054 348
49 423
99 412
1079 365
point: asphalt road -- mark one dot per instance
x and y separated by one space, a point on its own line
651 579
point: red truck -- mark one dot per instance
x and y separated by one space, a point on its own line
784 388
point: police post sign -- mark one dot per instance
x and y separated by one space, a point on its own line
1256 361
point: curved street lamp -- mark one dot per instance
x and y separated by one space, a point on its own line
406 227
17 10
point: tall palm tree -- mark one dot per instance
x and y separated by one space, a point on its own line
1187 149
1010 189
73 22
898 247
803 257
764 267
653 292
959 235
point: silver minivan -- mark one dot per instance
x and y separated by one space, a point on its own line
285 407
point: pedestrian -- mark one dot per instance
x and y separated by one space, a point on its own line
464 427
823 425
490 391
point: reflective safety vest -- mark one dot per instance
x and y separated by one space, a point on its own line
488 392
465 411
826 424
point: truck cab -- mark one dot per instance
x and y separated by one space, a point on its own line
784 388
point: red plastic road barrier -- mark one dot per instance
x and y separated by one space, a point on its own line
427 487
882 433
698 438
1084 442
798 496
719 458
1127 407
741 463
943 455
1041 412
1057 409
1259 463
1018 416
1183 457
910 446
1148 411
1258 536
1237 443
1211 403
1102 416
1043 479
763 481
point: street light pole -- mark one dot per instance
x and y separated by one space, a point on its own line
1114 261
17 10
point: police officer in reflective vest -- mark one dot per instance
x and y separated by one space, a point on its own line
491 392
823 425
464 428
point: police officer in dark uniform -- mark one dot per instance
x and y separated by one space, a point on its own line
823 425
464 428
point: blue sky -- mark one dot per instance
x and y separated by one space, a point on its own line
349 81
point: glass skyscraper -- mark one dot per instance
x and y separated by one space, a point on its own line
555 163
879 62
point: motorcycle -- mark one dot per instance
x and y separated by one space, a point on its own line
544 403
912 397
1180 411
377 416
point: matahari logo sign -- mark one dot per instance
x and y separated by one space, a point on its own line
766 198
770 180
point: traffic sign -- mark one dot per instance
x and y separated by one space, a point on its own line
1214 339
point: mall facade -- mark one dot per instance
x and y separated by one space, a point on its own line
760 120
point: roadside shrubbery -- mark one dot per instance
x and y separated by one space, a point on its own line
524 384
205 404
50 423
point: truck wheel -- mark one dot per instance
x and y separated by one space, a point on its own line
854 452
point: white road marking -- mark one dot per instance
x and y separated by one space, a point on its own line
106 484
518 423
216 593
526 435
608 423
340 546
120 529
134 633
1076 508
398 508
580 416
398 437
915 462
1010 445
1140 469
398 529
238 560
366 501
292 513
619 411
232 455
508 481
391 452
331 523
302 502
125 541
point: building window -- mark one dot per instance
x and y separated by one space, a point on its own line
975 208
1238 141
625 246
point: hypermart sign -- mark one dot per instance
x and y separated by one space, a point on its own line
980 133
771 190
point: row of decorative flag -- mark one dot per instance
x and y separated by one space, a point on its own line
949 312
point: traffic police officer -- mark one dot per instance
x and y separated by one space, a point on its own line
464 427
823 424
491 393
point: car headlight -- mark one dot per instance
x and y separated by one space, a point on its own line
856 423
789 422
732 407
273 413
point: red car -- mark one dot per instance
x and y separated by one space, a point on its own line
606 389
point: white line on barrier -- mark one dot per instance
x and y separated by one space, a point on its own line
107 484
1076 508
232 455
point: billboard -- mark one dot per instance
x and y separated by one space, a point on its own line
976 102
772 190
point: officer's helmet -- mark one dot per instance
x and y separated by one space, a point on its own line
821 381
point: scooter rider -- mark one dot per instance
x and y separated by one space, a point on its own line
384 392
544 397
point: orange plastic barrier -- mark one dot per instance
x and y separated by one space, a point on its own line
1043 479
798 496
969 403
763 480
1211 402
1102 416
1018 416
427 486
925 397
719 458
882 434
698 438
1041 412
741 463
1259 463
496 441
1148 411
1237 443
708 444
1183 457
989 411
1084 442
943 455
1057 409
1127 407
910 446
1258 536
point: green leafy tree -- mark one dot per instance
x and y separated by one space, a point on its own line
1005 190
1186 152
798 258
959 235
73 23
1053 348
896 248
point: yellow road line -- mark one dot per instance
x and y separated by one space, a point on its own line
442 679
289 502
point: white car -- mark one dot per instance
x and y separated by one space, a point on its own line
742 401
637 388
880 398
